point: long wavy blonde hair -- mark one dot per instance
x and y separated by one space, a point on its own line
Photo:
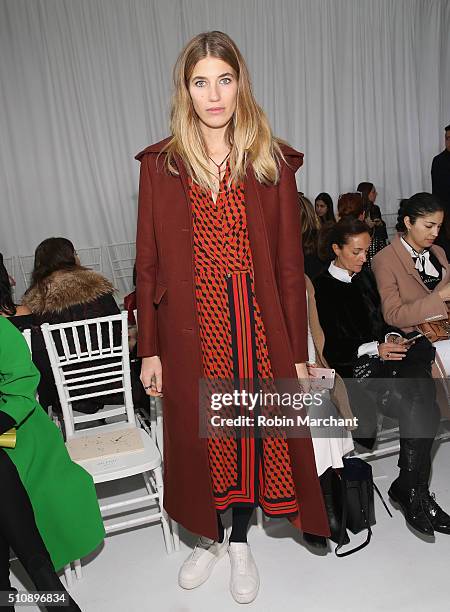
248 133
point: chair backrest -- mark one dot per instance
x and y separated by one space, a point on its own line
91 258
90 359
8 262
122 257
26 264
390 219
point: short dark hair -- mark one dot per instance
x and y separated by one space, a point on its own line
418 205
447 129
350 205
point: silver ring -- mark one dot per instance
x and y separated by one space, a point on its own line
387 355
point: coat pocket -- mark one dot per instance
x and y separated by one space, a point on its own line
160 290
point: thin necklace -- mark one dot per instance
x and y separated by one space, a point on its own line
218 166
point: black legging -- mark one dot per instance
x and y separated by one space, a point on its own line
18 528
411 399
413 403
19 531
418 416
240 520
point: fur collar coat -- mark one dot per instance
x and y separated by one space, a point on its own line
65 289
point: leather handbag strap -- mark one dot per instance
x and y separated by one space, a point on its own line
381 497
344 520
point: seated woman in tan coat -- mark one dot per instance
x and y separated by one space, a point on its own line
413 274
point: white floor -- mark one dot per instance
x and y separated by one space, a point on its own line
397 571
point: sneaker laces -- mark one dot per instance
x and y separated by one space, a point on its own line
436 505
437 508
202 545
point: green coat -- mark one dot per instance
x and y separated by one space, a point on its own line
62 493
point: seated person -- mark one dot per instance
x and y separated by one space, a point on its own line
331 446
7 306
373 216
310 225
62 291
323 205
413 274
49 514
352 205
358 343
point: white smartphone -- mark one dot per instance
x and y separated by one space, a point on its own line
412 338
322 378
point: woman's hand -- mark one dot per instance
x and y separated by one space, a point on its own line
151 376
445 293
392 351
303 376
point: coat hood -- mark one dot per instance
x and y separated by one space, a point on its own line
293 157
66 288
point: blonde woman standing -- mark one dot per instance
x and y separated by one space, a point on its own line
221 296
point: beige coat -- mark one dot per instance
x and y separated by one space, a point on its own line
406 301
339 395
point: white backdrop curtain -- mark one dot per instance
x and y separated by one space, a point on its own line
362 87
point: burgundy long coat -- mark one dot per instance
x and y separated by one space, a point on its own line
168 325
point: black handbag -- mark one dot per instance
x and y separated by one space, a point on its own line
358 507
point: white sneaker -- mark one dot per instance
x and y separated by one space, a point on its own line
244 582
200 563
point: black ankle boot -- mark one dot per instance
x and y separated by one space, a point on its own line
332 495
410 502
44 577
439 519
413 462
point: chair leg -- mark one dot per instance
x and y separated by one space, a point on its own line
159 425
164 517
78 570
159 434
153 418
68 576
176 535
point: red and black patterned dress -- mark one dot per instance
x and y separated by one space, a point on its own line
246 469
